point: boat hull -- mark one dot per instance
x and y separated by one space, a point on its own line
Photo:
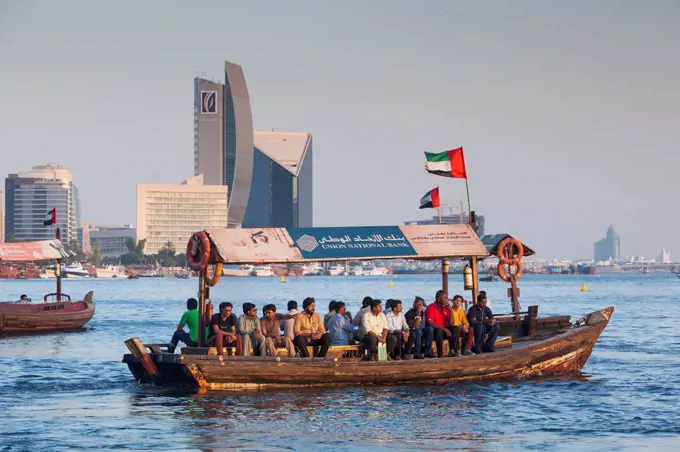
35 318
561 353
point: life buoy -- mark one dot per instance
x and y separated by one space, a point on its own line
504 276
212 281
503 251
198 251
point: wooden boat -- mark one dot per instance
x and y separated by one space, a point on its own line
57 312
533 348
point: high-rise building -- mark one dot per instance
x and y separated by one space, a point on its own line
31 194
282 184
609 247
223 137
2 219
171 213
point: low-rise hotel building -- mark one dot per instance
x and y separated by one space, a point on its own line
172 212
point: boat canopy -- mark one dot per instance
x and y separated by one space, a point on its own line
41 250
281 245
491 243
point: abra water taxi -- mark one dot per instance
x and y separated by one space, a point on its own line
57 312
530 347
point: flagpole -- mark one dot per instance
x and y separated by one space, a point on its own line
467 189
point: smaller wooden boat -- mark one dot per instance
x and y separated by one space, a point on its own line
57 312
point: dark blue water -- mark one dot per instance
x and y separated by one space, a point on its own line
71 392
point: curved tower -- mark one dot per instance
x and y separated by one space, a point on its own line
223 137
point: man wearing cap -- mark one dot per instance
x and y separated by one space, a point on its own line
251 331
482 321
309 330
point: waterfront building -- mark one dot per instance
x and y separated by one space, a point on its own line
110 238
609 247
451 218
84 238
2 219
31 194
171 213
282 183
223 137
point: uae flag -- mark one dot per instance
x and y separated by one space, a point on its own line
430 200
448 163
50 217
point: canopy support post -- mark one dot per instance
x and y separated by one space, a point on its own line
473 261
201 307
445 277
57 269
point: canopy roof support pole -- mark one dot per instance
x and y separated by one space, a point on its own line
445 277
473 261
201 308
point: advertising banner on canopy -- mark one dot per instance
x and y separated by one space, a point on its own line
32 251
272 245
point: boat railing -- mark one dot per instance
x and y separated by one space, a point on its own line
55 294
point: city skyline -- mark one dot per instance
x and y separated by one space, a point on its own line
560 141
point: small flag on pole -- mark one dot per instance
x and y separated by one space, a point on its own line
430 200
448 163
50 217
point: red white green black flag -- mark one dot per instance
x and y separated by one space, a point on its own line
430 200
448 163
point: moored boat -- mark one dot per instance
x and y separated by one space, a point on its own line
57 312
532 347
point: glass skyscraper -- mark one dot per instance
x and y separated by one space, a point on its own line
281 190
31 194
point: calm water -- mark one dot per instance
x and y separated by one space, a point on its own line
71 392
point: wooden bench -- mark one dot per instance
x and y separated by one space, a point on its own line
501 342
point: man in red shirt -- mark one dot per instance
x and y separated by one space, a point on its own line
436 316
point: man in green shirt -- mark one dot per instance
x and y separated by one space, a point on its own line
189 318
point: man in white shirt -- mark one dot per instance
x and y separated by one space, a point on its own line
374 328
397 327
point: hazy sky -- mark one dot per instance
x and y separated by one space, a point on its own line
569 112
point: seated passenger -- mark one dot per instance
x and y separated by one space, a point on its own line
331 313
374 326
223 329
189 318
365 307
339 328
415 318
436 316
288 326
23 299
271 330
482 321
251 331
397 327
309 330
460 328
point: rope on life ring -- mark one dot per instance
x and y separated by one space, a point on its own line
198 251
504 276
503 251
212 281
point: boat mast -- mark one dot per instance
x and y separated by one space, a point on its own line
57 268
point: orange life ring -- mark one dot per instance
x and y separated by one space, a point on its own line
504 276
215 277
198 251
503 250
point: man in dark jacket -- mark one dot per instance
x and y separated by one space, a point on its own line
482 321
